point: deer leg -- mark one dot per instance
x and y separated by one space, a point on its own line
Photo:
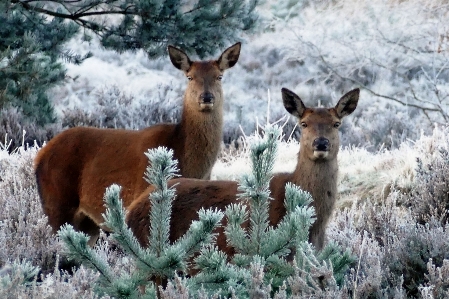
83 223
316 236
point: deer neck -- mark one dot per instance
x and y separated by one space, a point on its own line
200 135
319 178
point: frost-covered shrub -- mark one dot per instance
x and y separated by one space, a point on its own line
412 248
392 249
430 195
361 230
116 109
383 127
24 230
437 285
16 130
56 284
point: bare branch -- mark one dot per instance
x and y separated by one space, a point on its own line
74 16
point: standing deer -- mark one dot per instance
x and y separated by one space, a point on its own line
316 172
74 168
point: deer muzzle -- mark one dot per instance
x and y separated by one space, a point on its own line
321 147
206 101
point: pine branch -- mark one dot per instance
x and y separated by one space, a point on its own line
162 168
76 244
200 232
255 188
115 219
340 261
236 236
217 275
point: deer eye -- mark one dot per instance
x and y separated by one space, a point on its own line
189 78
219 78
304 125
337 124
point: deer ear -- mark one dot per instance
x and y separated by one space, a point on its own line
293 103
179 59
347 104
229 57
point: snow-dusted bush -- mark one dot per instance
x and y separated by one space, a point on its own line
392 249
17 130
21 281
398 248
24 231
430 198
437 285
115 109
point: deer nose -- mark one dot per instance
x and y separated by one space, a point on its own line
321 144
207 97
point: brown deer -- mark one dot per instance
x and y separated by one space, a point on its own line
316 172
74 168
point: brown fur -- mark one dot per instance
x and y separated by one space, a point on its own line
315 172
74 168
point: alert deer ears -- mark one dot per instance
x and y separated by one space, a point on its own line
229 57
179 59
347 103
292 103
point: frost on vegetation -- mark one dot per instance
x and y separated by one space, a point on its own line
392 248
114 108
395 50
400 236
22 280
408 169
23 226
13 124
437 285
398 255
429 199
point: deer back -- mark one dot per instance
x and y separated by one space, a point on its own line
191 196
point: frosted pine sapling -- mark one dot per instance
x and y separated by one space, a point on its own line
161 259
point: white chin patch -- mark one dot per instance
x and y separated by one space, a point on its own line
320 154
206 107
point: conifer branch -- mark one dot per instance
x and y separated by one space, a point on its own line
161 168
78 249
